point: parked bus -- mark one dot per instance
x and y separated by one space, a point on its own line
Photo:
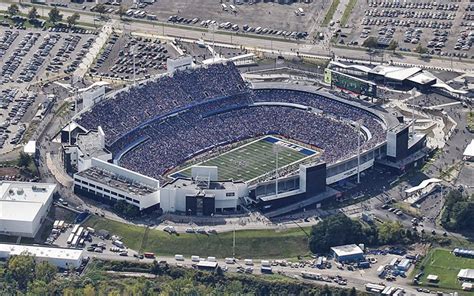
310 275
75 228
70 238
75 240
80 231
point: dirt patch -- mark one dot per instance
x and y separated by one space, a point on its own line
9 172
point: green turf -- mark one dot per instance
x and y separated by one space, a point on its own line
446 266
250 161
248 244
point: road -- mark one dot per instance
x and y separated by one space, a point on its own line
357 278
257 43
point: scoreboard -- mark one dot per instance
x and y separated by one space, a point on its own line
350 83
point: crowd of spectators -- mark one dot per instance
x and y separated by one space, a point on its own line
129 109
166 122
173 141
328 106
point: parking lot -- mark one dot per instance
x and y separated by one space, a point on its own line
293 21
31 57
442 28
123 51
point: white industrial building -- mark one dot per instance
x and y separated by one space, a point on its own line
109 183
60 257
24 206
466 275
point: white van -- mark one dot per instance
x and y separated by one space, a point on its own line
229 260
195 258
211 259
248 262
178 257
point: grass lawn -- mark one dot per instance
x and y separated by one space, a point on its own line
470 121
347 12
330 13
248 243
442 263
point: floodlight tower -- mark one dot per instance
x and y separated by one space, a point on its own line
213 28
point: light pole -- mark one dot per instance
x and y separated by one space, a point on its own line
276 149
213 28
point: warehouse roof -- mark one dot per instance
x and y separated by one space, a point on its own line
347 250
21 201
41 252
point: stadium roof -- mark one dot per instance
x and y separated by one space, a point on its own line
21 201
466 274
422 185
350 66
423 78
383 70
190 184
402 74
347 250
41 252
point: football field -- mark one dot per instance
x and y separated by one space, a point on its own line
254 159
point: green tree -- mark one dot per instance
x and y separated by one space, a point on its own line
100 8
420 49
33 14
21 268
55 15
390 232
121 11
38 288
13 10
353 292
334 231
72 19
88 290
370 42
45 272
24 160
393 45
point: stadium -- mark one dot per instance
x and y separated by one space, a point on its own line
205 126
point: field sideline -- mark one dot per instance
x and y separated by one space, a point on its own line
252 160
248 244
